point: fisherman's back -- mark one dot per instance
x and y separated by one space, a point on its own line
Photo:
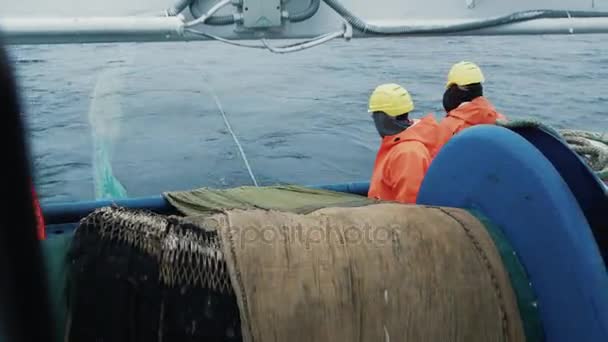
403 160
479 111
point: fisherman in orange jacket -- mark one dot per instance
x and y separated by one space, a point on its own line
463 99
407 148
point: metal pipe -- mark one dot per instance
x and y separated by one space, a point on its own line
59 213
160 29
91 30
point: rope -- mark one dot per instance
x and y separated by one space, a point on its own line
234 137
591 146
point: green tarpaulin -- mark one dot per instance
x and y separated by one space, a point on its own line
291 198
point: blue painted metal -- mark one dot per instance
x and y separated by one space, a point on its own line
357 188
588 189
59 213
520 191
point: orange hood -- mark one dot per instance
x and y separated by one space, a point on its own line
426 131
477 112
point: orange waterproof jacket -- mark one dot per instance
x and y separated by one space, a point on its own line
404 158
477 112
40 227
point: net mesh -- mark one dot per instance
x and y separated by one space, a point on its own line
187 254
139 276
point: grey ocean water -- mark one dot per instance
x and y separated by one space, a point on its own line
301 117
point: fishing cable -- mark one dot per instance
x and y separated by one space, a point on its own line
231 131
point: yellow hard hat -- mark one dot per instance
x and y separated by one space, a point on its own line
391 99
464 73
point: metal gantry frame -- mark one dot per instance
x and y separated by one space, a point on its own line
257 19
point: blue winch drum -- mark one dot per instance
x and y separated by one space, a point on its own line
502 175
